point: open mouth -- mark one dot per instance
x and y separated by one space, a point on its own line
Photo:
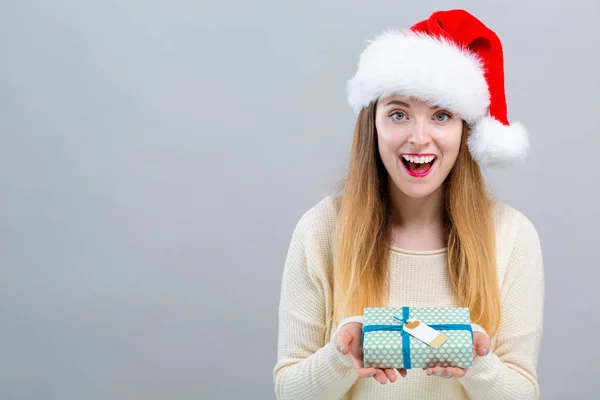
418 165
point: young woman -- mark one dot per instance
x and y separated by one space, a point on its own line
415 226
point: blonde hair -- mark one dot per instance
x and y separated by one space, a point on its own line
361 243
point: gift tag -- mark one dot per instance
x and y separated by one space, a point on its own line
425 333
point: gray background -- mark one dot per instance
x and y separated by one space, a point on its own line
156 156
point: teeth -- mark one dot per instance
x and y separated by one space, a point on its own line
419 160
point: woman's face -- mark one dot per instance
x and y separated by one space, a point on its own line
418 144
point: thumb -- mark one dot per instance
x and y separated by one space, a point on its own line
344 338
482 345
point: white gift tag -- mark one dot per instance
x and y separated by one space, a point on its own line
425 333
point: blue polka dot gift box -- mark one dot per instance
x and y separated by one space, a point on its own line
417 337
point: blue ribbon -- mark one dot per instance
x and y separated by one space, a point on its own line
406 335
405 341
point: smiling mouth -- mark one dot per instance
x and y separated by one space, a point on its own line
418 165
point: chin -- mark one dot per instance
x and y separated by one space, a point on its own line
417 187
418 191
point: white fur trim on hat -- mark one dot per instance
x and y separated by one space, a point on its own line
417 65
492 143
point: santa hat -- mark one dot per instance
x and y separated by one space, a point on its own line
451 60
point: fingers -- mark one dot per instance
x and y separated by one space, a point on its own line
446 373
455 372
360 368
380 376
372 372
391 374
348 344
367 372
438 371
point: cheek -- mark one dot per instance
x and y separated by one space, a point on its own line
449 144
389 138
384 135
388 146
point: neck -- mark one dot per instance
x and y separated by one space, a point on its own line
423 212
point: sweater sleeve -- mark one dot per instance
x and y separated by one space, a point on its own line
308 365
510 370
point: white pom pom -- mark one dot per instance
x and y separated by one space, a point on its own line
492 143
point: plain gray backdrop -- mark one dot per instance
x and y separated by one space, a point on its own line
156 156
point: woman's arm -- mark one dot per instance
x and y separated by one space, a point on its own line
510 371
308 366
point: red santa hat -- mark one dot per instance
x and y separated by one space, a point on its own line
451 60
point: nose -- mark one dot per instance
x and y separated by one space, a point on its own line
419 135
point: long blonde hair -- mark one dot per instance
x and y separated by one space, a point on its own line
361 243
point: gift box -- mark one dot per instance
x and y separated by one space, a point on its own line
387 342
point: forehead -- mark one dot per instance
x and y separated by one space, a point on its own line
411 101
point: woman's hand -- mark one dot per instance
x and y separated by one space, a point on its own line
349 343
481 344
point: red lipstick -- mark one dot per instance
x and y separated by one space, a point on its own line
420 173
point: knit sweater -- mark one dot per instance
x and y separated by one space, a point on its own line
310 367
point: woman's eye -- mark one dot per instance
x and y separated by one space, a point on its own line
398 116
442 117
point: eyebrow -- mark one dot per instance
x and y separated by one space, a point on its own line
403 104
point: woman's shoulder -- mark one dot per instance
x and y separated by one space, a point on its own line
510 220
515 233
319 220
312 238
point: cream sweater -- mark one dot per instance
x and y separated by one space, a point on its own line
310 367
